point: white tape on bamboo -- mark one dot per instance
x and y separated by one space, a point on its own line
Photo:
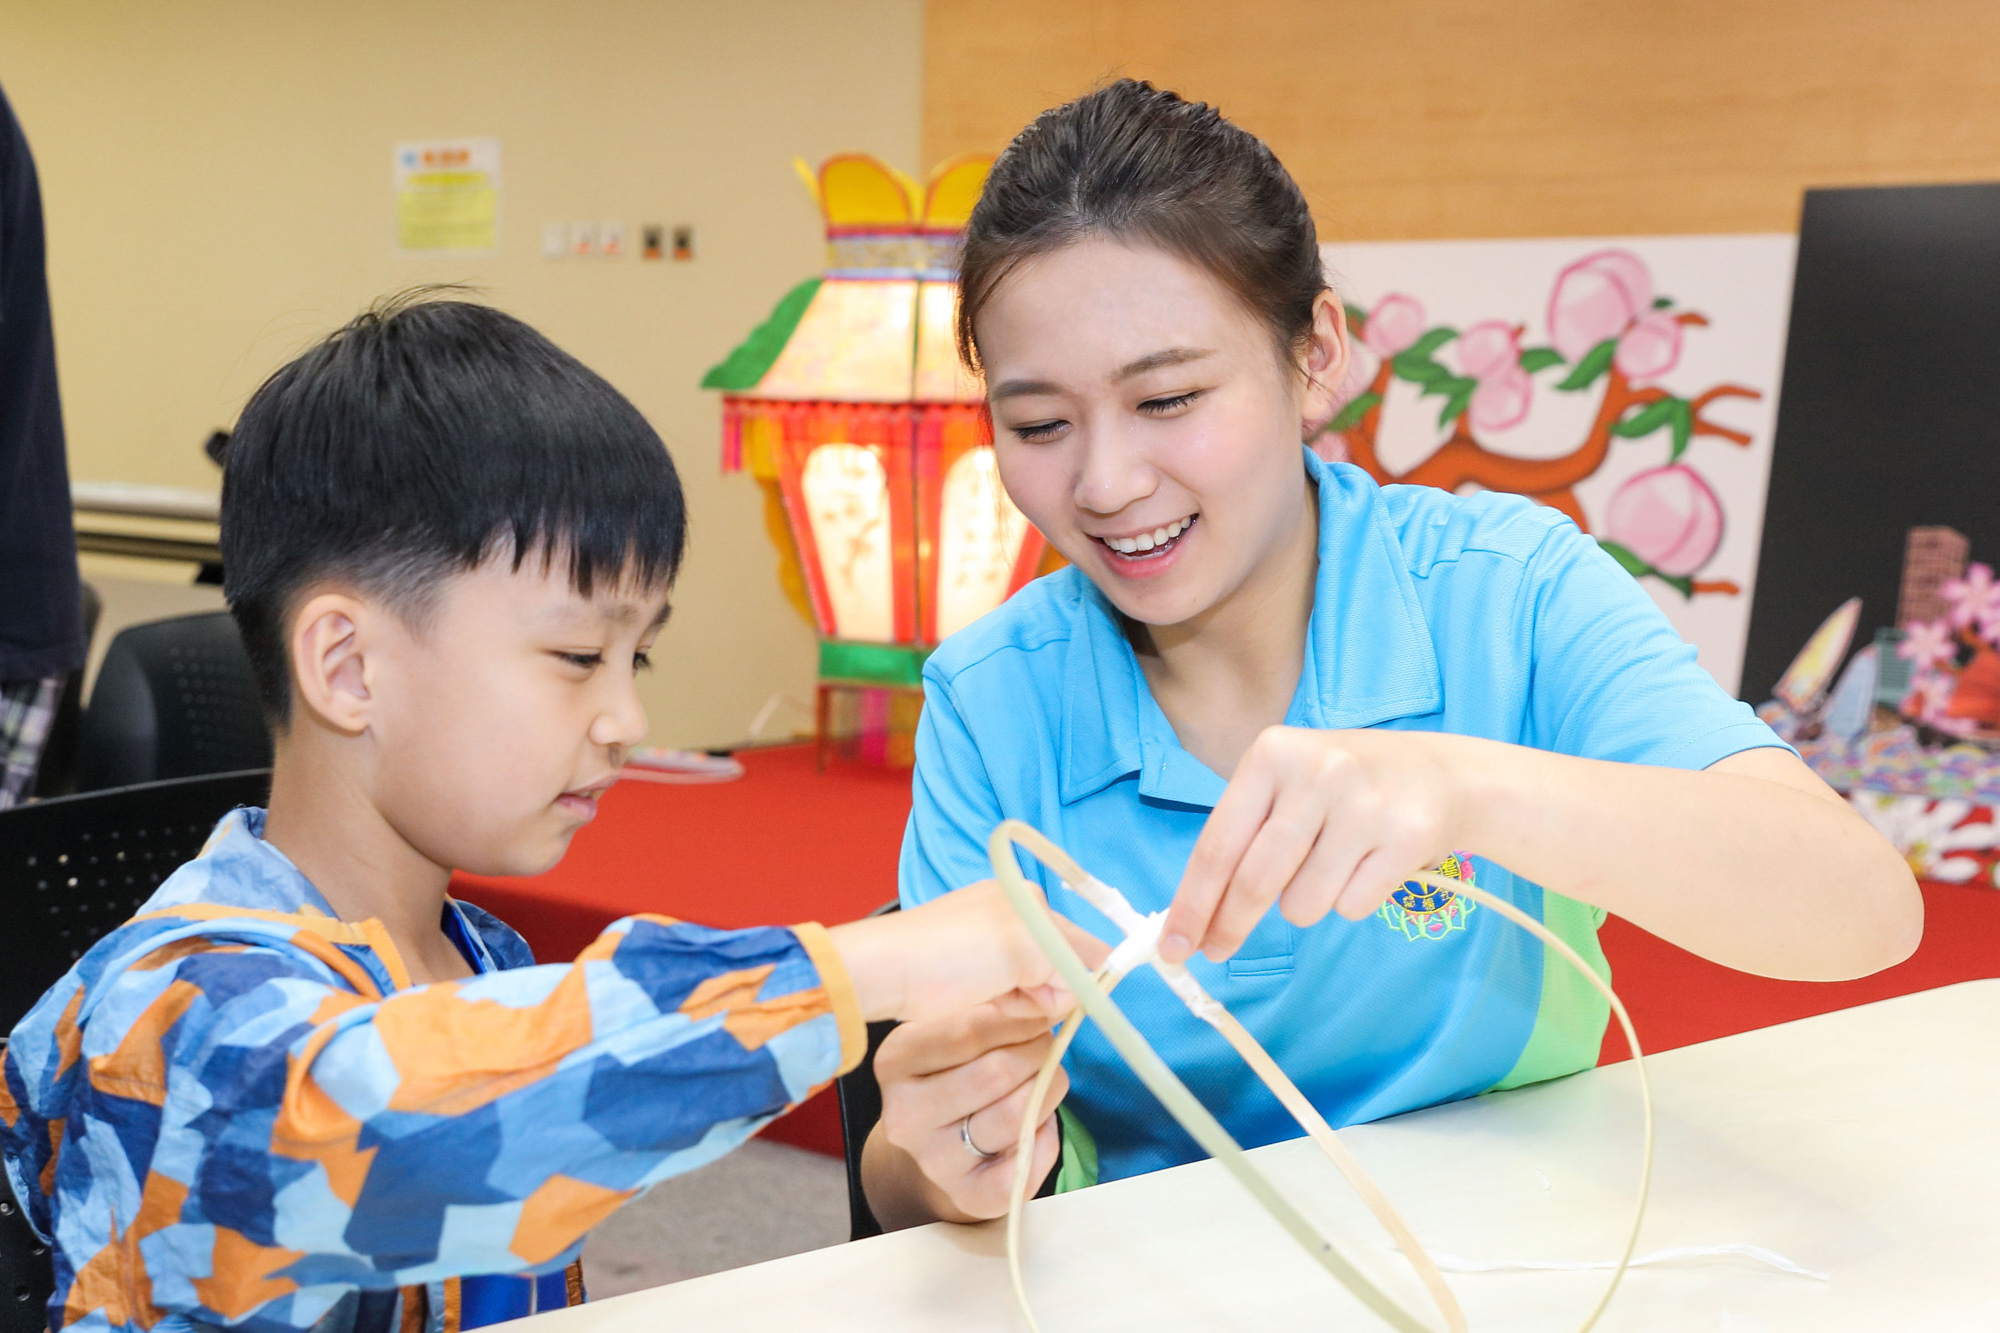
1140 947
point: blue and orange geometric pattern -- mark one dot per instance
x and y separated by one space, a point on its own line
236 1111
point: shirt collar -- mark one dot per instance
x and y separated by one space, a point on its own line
241 860
1369 657
246 861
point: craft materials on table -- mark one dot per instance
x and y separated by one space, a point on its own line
1909 731
1140 946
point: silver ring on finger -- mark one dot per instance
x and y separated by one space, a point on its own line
965 1137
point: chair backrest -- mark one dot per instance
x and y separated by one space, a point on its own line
174 698
860 1107
27 1269
74 867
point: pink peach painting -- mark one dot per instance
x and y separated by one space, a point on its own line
1608 336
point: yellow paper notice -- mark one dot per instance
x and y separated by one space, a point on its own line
448 196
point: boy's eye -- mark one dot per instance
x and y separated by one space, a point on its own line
1167 406
1040 432
587 661
642 660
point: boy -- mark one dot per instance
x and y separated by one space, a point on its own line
306 1089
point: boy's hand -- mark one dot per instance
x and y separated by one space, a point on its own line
952 953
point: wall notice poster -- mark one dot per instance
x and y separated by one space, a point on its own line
1630 382
448 196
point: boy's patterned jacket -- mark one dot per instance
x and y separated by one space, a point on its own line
236 1111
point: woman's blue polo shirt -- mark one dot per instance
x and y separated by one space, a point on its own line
1483 615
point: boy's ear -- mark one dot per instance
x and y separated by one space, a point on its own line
330 667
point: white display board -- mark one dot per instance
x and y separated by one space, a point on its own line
1486 333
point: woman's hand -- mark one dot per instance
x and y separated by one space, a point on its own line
1319 821
1316 822
980 1064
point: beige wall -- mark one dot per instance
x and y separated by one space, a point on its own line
217 185
1432 118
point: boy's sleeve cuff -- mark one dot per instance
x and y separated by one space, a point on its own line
840 994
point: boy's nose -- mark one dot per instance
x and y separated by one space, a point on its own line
623 722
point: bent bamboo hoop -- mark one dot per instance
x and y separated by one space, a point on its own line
1140 947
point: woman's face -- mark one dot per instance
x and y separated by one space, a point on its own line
1146 423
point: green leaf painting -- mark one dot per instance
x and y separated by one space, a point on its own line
1351 415
1639 569
1589 370
1676 413
1431 341
1419 369
1458 397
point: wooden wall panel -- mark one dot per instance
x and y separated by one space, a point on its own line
1431 118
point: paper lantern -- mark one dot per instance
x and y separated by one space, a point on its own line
849 406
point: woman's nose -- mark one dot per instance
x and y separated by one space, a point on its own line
1115 473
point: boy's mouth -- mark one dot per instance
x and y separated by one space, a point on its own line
580 803
1149 545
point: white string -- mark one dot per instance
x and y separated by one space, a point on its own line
1452 1263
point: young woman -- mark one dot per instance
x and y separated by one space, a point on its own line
1266 683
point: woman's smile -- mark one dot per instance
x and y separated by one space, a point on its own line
1145 554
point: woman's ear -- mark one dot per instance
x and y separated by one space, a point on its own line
1325 362
330 667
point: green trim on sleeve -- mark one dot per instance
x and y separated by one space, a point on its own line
1079 1154
1569 1024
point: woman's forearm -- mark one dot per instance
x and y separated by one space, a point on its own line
1752 863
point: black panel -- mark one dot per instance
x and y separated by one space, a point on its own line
73 868
1890 411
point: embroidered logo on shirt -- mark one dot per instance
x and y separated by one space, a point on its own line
1422 912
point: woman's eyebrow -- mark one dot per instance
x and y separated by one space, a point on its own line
1168 356
1023 389
1171 356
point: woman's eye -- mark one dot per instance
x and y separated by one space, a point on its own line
1165 406
1039 432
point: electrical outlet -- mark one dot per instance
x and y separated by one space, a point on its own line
583 239
683 241
555 240
611 240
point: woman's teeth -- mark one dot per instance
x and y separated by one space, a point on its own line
1147 541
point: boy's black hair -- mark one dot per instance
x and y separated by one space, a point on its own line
417 441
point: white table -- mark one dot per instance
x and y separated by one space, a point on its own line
1864 1144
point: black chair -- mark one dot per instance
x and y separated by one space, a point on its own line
27 1269
860 1098
74 867
860 1107
173 699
